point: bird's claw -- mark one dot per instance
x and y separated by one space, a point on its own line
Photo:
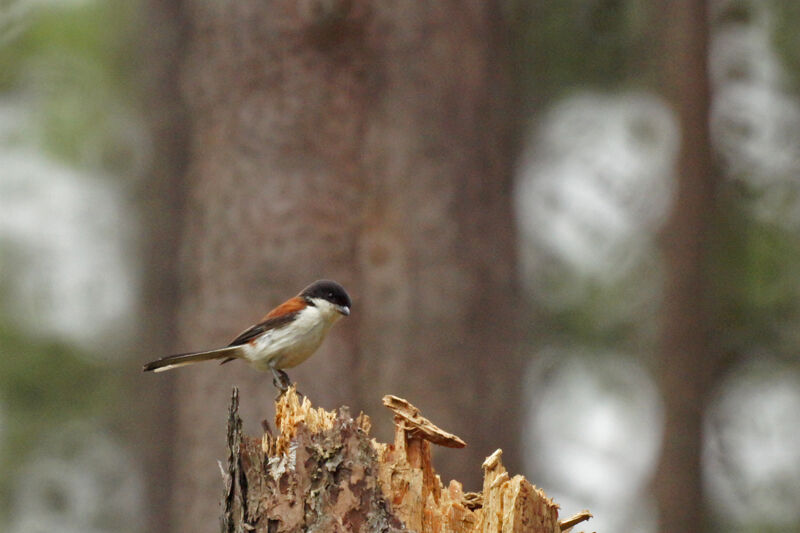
282 382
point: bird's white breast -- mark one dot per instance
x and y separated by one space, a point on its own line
290 345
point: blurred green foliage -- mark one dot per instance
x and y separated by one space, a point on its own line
75 63
754 273
569 46
572 44
44 384
608 45
68 64
100 33
608 315
786 39
753 264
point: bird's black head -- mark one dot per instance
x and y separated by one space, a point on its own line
329 291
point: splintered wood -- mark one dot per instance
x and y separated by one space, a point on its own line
322 472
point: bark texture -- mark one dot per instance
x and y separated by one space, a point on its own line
688 355
368 142
322 472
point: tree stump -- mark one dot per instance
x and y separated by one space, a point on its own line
322 472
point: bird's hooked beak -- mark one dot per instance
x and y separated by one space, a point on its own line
343 309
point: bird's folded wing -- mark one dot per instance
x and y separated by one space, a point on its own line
266 325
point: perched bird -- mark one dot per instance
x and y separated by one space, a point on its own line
284 338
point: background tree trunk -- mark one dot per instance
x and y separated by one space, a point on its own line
162 204
687 353
370 143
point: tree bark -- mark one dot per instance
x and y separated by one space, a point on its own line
688 354
367 142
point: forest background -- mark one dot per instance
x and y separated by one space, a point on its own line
577 221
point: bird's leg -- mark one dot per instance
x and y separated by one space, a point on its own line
281 380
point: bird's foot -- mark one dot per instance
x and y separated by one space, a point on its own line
282 382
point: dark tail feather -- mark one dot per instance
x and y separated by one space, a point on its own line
174 361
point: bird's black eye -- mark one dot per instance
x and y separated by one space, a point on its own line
330 295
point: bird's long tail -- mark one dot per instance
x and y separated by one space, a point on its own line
174 361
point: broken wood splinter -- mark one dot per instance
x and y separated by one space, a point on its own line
575 520
417 425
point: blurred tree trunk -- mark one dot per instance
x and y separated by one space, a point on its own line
367 142
162 205
688 354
